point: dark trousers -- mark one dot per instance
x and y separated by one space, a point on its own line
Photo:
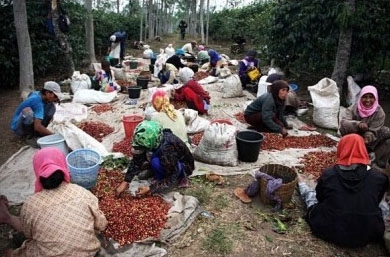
244 80
256 120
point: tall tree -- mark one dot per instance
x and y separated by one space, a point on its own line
89 33
201 22
339 73
208 21
65 47
26 76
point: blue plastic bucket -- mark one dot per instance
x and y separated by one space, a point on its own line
55 140
83 165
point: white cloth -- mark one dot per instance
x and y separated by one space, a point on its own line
115 50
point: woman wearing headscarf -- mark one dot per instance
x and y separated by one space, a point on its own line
105 78
192 92
61 218
215 62
202 56
176 59
249 63
168 158
367 118
168 116
265 113
167 74
344 207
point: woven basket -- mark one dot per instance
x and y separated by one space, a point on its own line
289 177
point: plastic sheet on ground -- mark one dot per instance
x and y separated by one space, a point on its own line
17 177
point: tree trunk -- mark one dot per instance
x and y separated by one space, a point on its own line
26 76
150 19
208 21
201 22
65 47
89 33
339 73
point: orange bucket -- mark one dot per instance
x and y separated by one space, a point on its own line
130 122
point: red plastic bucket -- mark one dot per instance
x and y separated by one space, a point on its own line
130 122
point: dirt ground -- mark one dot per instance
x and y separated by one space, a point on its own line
235 229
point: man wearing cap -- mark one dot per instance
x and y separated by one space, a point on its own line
34 114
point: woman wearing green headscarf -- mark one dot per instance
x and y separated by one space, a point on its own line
168 157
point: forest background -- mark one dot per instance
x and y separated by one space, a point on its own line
328 37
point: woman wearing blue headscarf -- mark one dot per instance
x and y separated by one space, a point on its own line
215 62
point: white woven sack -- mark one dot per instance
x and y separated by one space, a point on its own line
326 101
218 145
231 87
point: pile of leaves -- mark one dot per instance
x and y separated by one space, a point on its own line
111 163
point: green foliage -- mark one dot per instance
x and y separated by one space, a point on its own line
45 50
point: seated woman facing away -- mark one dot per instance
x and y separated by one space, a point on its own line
168 116
60 218
344 207
192 92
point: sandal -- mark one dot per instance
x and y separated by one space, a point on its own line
240 194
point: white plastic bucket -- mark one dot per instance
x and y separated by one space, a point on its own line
55 140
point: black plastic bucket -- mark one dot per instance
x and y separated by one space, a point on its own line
142 82
134 92
248 145
114 61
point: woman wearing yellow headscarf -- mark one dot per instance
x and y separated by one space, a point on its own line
168 116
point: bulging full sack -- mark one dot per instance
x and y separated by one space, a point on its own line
218 145
326 101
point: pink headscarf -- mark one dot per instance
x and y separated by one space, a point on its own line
362 110
46 161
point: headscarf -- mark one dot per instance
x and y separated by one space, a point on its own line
273 77
352 150
186 74
201 47
252 53
160 102
179 52
46 161
148 134
362 110
275 87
